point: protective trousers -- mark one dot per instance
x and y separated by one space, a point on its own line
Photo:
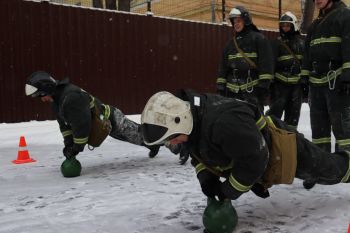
321 166
329 111
288 99
125 129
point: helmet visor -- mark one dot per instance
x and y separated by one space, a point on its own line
286 19
153 134
31 90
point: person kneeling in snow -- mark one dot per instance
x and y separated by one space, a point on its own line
82 118
230 138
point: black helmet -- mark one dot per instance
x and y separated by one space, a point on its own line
240 11
40 84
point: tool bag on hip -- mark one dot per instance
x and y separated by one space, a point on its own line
282 163
100 127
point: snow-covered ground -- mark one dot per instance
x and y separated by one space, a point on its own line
121 190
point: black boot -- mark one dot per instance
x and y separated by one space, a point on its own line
309 184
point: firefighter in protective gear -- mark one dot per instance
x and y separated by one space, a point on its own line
287 91
230 138
74 108
246 67
326 66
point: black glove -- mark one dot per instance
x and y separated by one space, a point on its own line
184 154
342 84
210 184
259 190
221 89
228 191
69 152
305 92
304 84
68 140
153 150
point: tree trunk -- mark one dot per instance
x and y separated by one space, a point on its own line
308 14
124 5
111 4
97 3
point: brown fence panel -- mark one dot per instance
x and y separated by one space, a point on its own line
119 57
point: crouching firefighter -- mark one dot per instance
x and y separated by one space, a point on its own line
230 138
82 118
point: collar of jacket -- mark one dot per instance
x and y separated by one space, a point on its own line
59 89
244 32
288 36
197 112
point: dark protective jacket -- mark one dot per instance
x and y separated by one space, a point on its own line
230 137
235 73
288 66
327 46
227 136
73 108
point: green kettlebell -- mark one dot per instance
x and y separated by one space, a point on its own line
71 167
219 216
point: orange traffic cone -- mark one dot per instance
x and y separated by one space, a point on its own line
23 154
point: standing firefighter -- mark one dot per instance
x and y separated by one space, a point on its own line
246 69
82 118
286 91
230 138
326 66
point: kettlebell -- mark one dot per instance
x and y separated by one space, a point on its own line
71 167
219 216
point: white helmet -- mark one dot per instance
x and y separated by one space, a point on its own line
164 116
289 17
240 11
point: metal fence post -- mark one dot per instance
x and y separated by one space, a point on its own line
223 10
149 8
